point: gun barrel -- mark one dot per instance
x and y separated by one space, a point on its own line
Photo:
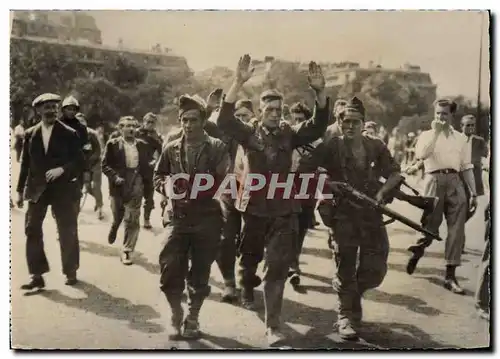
387 211
424 203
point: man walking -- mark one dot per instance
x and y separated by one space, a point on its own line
270 225
126 164
51 163
478 150
445 154
197 222
147 132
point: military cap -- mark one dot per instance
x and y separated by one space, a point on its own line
70 101
299 107
195 102
243 104
354 109
46 97
150 115
270 95
444 102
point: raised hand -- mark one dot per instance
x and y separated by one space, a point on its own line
315 77
243 70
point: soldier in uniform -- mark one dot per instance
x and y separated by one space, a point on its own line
197 223
126 163
334 130
93 187
270 225
52 160
359 160
147 132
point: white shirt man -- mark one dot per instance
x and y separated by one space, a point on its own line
46 133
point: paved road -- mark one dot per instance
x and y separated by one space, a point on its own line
118 307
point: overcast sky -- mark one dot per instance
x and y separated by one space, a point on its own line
446 44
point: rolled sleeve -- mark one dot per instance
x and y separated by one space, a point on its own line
465 156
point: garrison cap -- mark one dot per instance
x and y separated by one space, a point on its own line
246 103
444 102
270 95
195 102
354 109
46 97
299 107
70 101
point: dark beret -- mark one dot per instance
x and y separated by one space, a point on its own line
187 102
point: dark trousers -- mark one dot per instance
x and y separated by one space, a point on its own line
272 238
305 218
231 229
18 146
482 296
190 238
65 209
127 208
351 279
149 203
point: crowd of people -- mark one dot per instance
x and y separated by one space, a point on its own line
61 158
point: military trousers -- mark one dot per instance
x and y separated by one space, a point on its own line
450 191
65 210
305 218
354 275
226 260
126 207
272 238
191 238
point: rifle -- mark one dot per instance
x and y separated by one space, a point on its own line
351 194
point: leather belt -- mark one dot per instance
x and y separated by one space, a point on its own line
444 171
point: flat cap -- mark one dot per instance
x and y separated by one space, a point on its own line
195 102
46 97
243 104
70 101
271 95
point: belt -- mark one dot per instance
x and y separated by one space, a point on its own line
444 171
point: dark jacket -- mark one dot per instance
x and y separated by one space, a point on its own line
153 140
114 165
94 155
479 150
82 133
212 159
268 153
334 156
64 151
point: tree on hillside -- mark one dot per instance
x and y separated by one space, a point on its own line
124 73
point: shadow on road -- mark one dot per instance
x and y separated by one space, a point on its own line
436 255
420 270
105 305
440 282
416 305
211 342
109 251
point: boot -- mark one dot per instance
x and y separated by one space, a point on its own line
230 294
147 223
112 234
191 328
346 329
71 279
177 315
248 299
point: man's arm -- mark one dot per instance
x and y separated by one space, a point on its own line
25 163
312 129
161 172
108 161
231 126
426 143
77 163
466 167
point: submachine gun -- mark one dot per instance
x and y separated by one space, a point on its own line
344 191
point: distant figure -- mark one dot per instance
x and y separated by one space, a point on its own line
477 148
18 139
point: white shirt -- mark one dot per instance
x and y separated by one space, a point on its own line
19 131
131 154
46 133
449 152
